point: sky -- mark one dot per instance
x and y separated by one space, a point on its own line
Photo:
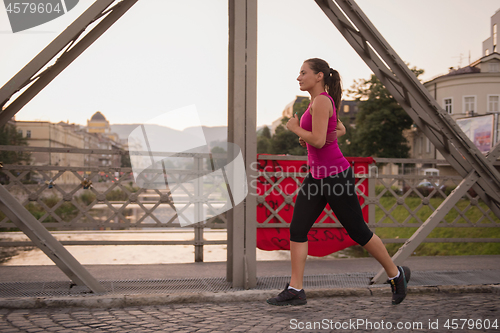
163 55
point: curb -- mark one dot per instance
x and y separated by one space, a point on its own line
117 301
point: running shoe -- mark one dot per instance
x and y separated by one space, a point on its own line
289 297
399 285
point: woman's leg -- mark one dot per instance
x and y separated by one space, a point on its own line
308 206
377 249
298 253
345 204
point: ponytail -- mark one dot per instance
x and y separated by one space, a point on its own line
334 88
333 83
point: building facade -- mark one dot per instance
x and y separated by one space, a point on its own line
348 111
490 45
64 135
465 92
98 124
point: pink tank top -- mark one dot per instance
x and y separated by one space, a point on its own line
328 160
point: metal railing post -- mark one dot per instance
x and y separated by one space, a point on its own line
23 219
371 196
198 210
242 117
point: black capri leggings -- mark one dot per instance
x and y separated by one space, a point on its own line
339 192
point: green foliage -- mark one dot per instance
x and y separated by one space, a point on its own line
283 141
380 188
380 121
9 136
66 210
428 249
266 132
286 142
347 142
264 141
263 145
300 108
86 197
218 162
119 194
125 161
445 249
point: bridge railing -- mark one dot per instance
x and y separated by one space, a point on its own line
62 198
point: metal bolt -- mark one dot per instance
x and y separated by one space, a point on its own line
164 198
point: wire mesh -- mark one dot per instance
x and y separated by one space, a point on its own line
219 284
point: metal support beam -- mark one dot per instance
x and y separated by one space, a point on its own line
242 97
28 77
431 119
198 212
33 82
46 242
425 229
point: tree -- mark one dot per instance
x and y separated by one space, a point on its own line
264 141
285 141
217 162
380 121
125 160
266 132
10 136
347 143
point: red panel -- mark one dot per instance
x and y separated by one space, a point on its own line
322 241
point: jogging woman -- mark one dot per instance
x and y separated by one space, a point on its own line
330 180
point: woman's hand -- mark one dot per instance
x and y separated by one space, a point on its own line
293 123
341 130
302 142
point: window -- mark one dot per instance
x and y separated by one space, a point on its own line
495 67
493 103
428 148
486 52
20 132
494 38
469 104
28 133
448 105
346 108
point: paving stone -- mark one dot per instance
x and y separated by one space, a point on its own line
259 316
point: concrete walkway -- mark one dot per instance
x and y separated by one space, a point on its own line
189 298
127 285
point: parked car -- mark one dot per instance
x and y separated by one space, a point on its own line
425 187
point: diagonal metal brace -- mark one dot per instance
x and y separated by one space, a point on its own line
439 127
425 229
477 170
30 78
33 79
46 242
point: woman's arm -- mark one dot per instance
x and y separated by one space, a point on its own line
340 129
321 114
